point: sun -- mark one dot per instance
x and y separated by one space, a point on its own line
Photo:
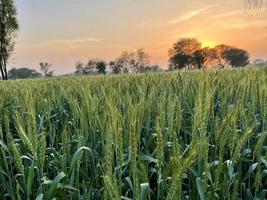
210 44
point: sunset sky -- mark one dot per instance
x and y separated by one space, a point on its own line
62 32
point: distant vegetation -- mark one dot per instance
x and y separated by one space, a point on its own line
178 135
23 73
134 62
46 68
189 54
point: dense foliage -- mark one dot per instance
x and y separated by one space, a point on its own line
23 73
181 135
8 28
188 53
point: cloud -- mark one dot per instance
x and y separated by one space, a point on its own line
119 46
189 15
70 42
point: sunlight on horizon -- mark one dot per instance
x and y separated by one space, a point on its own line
209 44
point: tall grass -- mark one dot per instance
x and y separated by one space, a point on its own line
181 135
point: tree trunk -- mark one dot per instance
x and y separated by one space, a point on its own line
1 69
4 67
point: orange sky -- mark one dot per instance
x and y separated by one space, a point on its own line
64 32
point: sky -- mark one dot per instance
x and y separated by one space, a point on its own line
63 32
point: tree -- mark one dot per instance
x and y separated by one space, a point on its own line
181 55
236 57
203 56
228 56
23 73
101 67
116 69
90 67
142 61
93 66
46 68
220 50
8 28
79 67
124 63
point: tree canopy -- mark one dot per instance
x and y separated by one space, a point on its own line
8 28
23 73
93 66
187 53
181 55
46 68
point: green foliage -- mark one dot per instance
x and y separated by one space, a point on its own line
178 135
23 73
45 67
187 53
8 28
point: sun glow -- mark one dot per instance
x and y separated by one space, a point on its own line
208 44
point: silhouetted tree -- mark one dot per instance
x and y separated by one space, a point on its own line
228 56
221 49
236 57
90 67
125 62
202 57
23 73
8 28
46 68
130 62
93 66
187 53
142 61
115 68
101 67
181 55
79 67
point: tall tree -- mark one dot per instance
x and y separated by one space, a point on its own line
221 50
46 68
101 67
142 61
8 28
125 62
181 55
203 56
115 68
228 56
236 57
79 67
90 67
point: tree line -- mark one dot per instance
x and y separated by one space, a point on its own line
188 53
119 66
127 62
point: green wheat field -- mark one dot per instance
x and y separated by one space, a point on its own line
179 135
